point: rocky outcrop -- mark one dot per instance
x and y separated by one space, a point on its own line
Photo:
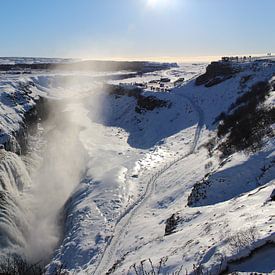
199 192
171 224
149 103
38 112
216 73
144 103
272 196
120 90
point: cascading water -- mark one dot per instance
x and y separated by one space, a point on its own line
14 226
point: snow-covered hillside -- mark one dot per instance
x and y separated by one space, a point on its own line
156 193
116 223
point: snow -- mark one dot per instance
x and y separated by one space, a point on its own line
32 60
261 262
141 168
115 156
14 104
201 239
185 70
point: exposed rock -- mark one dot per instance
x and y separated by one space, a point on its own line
272 196
171 224
123 91
198 193
148 103
216 73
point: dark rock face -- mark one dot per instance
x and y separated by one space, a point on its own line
198 193
123 91
216 73
150 103
18 141
171 224
146 103
39 111
272 196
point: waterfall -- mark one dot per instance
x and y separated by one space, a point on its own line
14 178
13 173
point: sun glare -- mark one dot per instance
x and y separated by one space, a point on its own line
152 3
157 3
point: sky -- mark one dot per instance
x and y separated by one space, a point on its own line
136 29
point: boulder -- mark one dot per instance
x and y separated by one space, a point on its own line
272 196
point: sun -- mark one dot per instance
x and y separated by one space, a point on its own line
162 6
157 3
152 3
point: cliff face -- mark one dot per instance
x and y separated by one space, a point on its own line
216 73
21 108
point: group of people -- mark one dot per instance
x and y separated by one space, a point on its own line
236 58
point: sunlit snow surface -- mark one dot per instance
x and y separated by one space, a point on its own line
127 150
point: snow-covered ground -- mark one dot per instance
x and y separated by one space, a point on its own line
33 60
140 168
171 162
184 70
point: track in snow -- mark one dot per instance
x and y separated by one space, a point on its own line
109 252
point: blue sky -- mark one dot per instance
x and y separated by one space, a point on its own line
121 29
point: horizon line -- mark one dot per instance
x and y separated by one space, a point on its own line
179 59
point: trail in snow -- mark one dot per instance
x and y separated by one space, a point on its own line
200 122
123 221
